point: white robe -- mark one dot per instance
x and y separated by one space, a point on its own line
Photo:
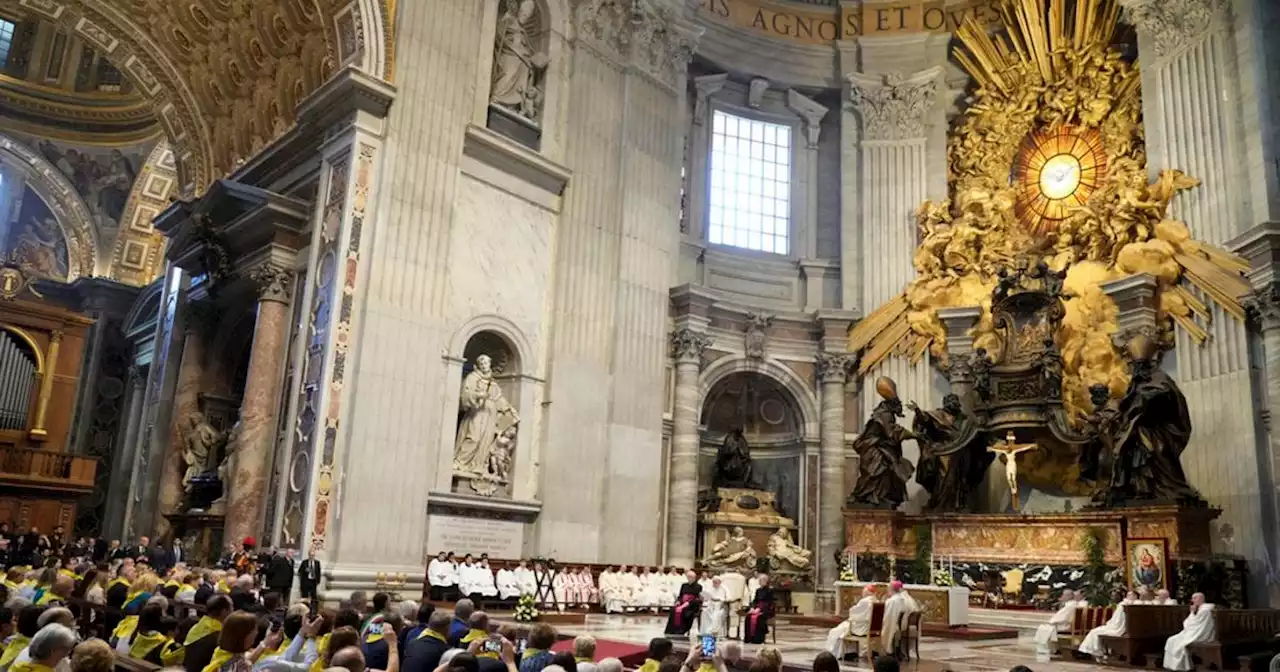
1197 627
898 606
508 587
1047 633
525 581
632 590
563 589
670 586
1114 627
442 573
714 610
1166 601
858 624
650 591
610 592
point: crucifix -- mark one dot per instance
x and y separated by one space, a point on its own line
1009 450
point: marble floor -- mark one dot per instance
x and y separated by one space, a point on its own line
799 644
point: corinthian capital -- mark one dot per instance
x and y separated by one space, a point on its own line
273 282
1264 307
834 366
688 344
1171 23
894 107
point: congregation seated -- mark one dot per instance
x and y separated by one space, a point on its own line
1197 627
1046 637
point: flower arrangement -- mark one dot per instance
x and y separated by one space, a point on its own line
942 577
526 609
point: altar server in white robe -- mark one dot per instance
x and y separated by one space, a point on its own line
611 591
671 582
897 607
443 572
858 623
1114 627
1197 627
1162 597
715 613
524 579
650 589
632 589
508 586
1047 634
484 579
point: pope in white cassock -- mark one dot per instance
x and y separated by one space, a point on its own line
1197 627
715 615
897 608
858 623
1047 633
1114 627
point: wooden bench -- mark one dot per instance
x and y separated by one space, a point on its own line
1238 632
1084 620
1147 626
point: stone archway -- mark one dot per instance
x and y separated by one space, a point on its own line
70 211
221 105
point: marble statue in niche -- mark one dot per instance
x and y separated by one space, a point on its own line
734 552
486 432
36 243
518 64
785 554
200 443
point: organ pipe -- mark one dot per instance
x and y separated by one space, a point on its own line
17 379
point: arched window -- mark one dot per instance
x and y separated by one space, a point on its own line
18 367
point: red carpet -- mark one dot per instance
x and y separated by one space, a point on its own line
631 655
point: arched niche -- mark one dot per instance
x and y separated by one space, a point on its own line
41 212
773 423
490 431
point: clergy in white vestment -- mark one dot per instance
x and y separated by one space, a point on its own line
631 588
650 590
544 578
587 586
611 591
443 574
670 587
1162 597
465 576
484 579
897 608
1197 627
1047 633
1145 596
1114 627
715 613
508 587
563 588
705 581
858 623
524 579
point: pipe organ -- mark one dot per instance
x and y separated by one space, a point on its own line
17 381
42 343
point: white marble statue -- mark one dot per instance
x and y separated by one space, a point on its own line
786 555
488 426
734 552
517 63
199 443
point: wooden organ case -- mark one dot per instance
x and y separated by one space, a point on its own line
41 348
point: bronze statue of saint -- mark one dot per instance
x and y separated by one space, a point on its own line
733 462
882 471
1152 427
1100 427
953 455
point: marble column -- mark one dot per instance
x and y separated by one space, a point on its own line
897 113
199 317
833 372
687 347
256 440
1191 115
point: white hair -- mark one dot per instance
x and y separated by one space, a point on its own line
609 665
245 580
448 655
56 615
51 638
409 611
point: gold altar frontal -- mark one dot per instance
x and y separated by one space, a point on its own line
1054 539
938 604
755 511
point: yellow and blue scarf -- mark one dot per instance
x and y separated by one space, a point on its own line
203 628
220 657
16 645
125 628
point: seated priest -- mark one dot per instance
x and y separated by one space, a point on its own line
688 606
897 608
858 623
715 613
755 624
1114 627
1047 634
1197 627
1162 597
508 585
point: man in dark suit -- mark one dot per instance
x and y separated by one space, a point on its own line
139 551
280 574
422 654
159 558
309 576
